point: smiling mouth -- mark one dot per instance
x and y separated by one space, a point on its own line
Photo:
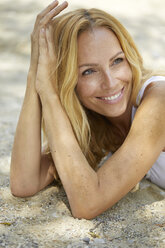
111 98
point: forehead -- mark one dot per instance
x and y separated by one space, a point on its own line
97 42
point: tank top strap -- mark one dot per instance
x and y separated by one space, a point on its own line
146 83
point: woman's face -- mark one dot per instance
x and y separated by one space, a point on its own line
104 77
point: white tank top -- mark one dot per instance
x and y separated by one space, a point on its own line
161 159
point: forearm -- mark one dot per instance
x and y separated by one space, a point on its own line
79 179
26 153
31 170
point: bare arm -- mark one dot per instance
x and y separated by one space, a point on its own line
26 153
89 192
30 170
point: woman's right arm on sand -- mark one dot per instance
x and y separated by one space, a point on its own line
30 169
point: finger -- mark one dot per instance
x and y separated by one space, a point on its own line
35 33
46 11
54 12
46 15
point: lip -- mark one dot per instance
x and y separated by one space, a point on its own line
113 101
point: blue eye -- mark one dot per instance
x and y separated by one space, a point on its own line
87 72
117 61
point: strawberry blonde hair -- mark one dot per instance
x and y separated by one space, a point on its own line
92 131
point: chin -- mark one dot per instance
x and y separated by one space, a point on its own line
114 114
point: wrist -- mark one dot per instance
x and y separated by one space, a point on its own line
31 77
48 97
46 90
31 92
32 72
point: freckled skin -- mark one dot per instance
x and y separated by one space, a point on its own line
106 76
104 87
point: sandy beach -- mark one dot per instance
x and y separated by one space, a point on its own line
45 220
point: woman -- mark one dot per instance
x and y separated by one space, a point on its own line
86 81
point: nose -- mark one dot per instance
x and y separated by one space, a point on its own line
108 79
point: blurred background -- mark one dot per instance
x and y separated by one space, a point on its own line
144 19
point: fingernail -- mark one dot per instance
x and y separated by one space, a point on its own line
66 2
55 1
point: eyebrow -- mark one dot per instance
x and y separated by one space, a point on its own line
93 64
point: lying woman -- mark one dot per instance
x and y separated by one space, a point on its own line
103 113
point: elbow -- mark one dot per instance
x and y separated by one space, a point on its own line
86 212
90 209
21 192
82 215
19 187
16 193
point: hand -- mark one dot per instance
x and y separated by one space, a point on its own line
41 21
45 78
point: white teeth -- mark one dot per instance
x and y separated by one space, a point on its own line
111 97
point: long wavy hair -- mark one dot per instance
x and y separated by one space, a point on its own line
92 131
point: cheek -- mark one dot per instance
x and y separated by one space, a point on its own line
85 89
125 74
82 92
128 72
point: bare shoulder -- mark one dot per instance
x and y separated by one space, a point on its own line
153 103
155 88
149 121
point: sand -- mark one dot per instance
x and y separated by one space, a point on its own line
45 220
